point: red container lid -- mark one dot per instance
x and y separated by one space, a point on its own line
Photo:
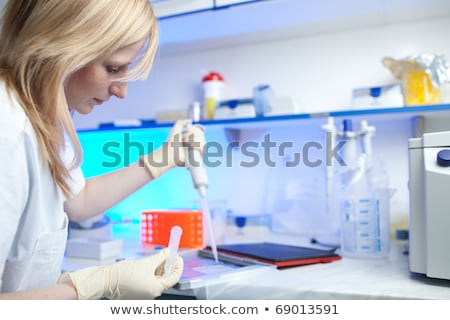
213 76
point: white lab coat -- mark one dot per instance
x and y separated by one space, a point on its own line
33 228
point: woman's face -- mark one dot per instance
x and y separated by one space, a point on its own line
96 82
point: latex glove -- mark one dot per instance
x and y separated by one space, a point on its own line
127 279
173 152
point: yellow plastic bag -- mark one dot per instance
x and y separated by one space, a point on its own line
421 77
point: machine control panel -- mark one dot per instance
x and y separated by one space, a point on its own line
443 158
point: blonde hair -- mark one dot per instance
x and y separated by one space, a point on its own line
43 42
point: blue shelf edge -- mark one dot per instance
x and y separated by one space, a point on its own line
151 124
398 110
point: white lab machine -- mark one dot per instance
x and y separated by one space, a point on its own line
429 221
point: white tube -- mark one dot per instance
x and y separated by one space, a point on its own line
350 146
174 243
330 128
367 133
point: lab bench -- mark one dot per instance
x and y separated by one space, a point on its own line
348 279
387 278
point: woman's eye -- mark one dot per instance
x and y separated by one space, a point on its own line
112 70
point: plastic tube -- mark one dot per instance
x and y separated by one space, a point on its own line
330 129
174 243
367 133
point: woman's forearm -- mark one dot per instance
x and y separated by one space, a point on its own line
61 291
103 192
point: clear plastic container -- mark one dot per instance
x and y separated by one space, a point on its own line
365 213
365 225
261 96
213 85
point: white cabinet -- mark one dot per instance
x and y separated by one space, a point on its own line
167 8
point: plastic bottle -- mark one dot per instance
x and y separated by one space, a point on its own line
213 84
365 210
261 96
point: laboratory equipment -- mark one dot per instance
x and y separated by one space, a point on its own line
194 163
208 225
364 197
386 96
367 133
174 242
261 104
195 111
235 108
429 219
156 226
330 131
350 146
213 84
261 95
365 209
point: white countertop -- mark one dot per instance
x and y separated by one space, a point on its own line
343 279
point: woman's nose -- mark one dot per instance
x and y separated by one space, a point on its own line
119 89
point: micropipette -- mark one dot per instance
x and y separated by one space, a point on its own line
194 163
207 216
174 243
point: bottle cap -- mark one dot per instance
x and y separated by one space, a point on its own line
213 76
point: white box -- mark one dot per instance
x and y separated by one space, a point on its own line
283 106
378 97
94 248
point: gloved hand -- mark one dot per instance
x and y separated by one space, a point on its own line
127 279
173 152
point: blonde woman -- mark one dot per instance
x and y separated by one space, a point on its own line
58 57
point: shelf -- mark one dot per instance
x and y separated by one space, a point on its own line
389 113
169 9
227 3
400 112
